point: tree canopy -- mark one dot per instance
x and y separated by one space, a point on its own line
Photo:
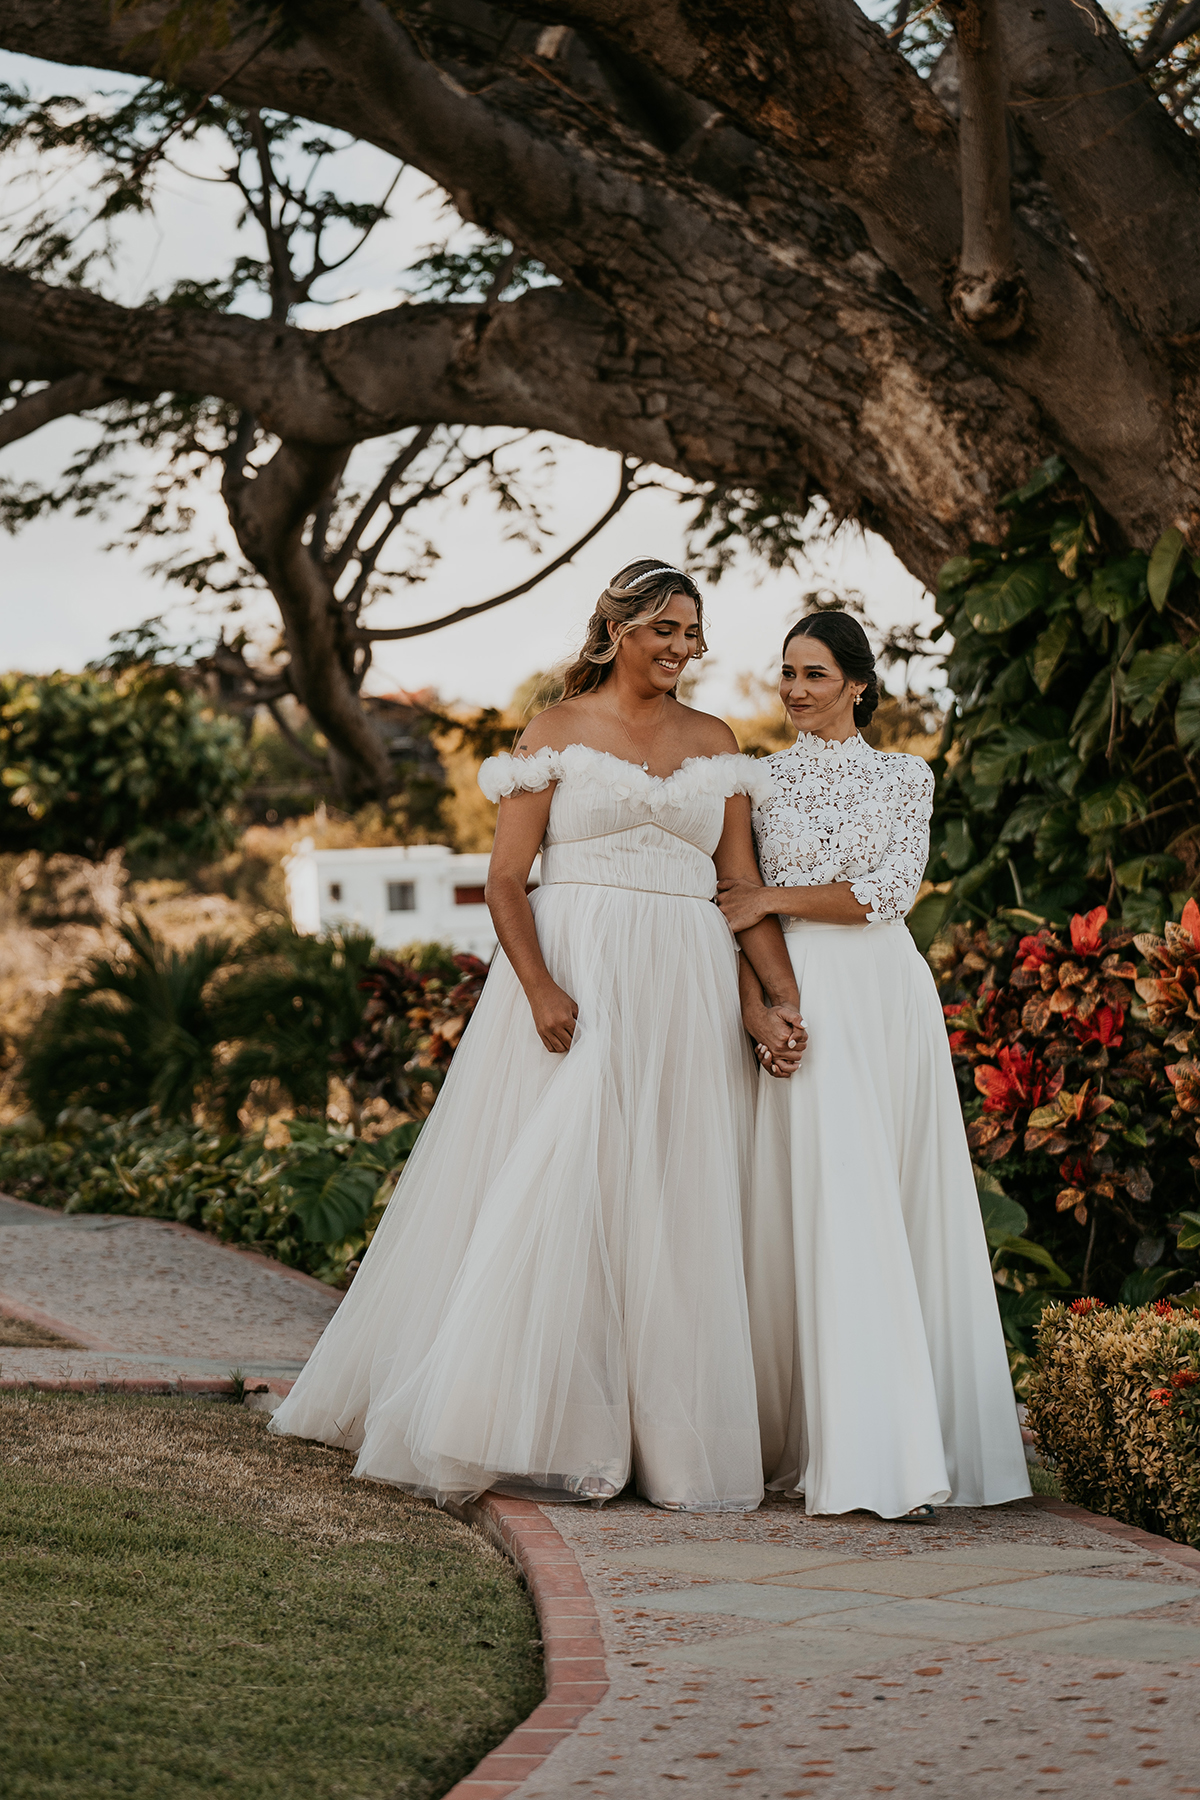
781 259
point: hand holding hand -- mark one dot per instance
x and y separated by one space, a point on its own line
780 1039
744 903
554 1015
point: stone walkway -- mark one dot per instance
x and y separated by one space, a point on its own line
143 1299
1010 1651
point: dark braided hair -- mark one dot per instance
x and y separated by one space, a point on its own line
845 637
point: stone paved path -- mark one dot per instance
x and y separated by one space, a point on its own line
990 1654
146 1299
995 1652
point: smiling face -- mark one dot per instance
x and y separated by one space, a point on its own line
817 696
654 655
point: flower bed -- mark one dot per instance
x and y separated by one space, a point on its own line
1115 1411
1077 1058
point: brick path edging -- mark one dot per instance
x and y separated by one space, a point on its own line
576 1675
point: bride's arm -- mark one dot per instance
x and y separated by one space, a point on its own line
832 903
520 829
761 940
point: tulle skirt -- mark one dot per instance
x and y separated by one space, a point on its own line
555 1297
882 1375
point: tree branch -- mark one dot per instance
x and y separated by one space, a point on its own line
988 297
624 489
1184 24
302 750
73 394
383 487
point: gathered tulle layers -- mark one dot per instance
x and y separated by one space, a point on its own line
882 1374
555 1296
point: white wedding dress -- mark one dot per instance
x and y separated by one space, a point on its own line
555 1295
882 1375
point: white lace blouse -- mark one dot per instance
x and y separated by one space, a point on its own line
845 812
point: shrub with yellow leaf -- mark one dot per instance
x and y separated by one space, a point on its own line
1114 1407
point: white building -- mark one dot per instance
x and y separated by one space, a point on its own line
402 894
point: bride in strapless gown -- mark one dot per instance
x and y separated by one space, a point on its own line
555 1295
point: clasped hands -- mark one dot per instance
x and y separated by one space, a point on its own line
744 903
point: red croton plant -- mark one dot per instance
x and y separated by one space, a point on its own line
1080 1078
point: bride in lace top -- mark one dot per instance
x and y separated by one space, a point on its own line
882 1374
555 1298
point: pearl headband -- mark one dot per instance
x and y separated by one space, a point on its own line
647 573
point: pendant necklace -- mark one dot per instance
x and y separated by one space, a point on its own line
624 727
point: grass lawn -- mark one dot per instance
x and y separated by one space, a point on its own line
191 1607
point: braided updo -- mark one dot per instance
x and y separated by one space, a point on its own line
636 595
845 637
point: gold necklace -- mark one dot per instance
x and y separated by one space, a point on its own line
624 727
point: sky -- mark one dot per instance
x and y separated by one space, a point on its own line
65 593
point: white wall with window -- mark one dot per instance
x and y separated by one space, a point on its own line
401 894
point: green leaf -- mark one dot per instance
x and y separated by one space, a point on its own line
1057 842
1119 588
1011 594
1068 540
1024 819
1163 560
1051 470
1187 715
1093 715
1021 1313
1047 652
1002 1218
1145 1285
1140 869
957 845
390 1151
1035 1253
330 1205
925 920
1111 806
1189 1236
958 572
1152 673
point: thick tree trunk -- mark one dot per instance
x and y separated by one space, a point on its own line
760 213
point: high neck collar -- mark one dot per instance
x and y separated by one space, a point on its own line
810 746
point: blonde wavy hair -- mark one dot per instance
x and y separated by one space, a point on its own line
637 594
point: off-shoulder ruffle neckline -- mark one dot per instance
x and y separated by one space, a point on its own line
576 758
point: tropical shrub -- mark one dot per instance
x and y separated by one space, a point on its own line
1081 1089
1115 1411
419 1003
1067 773
121 758
313 1202
134 1029
288 1008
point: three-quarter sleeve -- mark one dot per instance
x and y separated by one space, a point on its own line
891 887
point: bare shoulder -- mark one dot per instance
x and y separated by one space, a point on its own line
707 735
557 727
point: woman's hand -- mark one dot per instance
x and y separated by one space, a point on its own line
780 1039
554 1016
744 903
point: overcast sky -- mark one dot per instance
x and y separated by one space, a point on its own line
65 594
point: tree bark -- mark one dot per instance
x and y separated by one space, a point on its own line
769 206
988 296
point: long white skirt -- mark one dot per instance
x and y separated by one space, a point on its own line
882 1375
555 1295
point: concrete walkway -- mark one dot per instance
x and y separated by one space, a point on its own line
147 1300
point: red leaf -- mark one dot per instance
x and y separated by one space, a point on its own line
1191 921
1085 931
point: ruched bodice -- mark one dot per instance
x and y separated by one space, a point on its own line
614 825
